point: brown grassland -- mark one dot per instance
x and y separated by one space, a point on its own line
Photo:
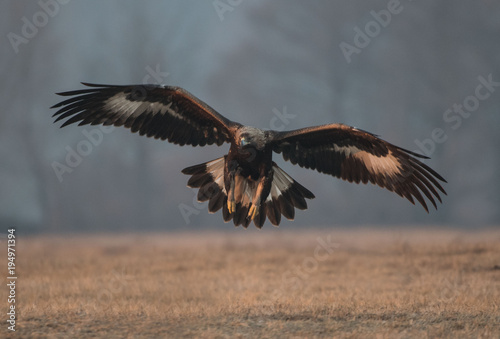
272 283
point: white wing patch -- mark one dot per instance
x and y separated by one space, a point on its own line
387 165
346 150
120 103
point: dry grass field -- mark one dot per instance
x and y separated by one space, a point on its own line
258 284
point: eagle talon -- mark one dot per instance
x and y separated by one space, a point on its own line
231 206
252 212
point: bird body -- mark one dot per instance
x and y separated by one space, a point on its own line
246 183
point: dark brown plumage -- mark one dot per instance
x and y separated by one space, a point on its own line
246 184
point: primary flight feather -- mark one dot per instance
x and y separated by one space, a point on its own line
246 183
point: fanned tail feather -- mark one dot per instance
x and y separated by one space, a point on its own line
209 178
285 195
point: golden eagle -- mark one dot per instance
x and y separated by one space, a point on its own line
246 183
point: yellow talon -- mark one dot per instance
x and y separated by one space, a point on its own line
231 206
252 212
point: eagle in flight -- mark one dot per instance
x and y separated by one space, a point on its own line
246 183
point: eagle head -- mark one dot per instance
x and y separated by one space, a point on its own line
251 137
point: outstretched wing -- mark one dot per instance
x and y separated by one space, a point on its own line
359 156
162 112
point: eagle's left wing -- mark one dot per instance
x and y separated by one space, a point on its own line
358 156
162 112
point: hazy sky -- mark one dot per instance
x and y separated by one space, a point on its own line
424 75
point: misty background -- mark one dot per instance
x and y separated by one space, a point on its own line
271 64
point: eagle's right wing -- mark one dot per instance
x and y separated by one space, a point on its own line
162 112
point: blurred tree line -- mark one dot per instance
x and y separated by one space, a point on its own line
268 64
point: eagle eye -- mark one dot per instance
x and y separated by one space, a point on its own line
244 141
